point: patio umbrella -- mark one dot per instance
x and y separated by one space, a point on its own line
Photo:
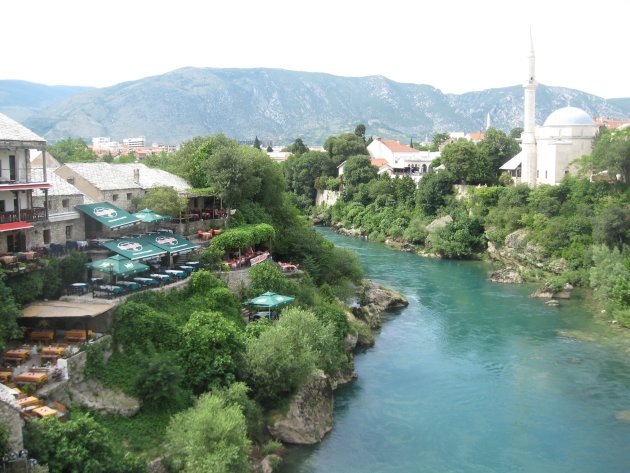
270 300
117 265
149 216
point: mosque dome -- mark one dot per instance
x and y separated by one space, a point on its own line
569 116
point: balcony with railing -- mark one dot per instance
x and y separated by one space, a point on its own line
12 178
35 214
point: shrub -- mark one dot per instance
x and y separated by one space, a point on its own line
209 437
210 350
282 357
79 444
159 383
139 327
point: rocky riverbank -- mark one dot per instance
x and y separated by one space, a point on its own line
309 415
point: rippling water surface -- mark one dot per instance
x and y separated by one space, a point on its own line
476 377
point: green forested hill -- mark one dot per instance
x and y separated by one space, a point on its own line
281 105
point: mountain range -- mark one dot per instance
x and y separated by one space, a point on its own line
276 105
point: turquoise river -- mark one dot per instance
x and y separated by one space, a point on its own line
475 377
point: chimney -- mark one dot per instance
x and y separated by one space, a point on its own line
136 176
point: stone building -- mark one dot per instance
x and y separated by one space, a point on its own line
18 182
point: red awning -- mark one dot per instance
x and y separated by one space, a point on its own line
7 227
25 186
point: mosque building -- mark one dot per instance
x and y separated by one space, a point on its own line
548 152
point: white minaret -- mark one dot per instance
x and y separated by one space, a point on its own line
488 124
528 138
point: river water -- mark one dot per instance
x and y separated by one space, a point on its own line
475 377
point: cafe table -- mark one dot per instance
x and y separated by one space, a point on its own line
17 354
129 285
176 272
146 281
42 335
45 411
77 335
187 268
31 378
5 376
29 402
161 277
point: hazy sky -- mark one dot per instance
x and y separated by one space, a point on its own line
454 45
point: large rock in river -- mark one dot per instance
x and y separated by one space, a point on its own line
310 414
376 300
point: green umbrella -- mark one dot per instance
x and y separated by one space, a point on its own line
117 266
269 300
149 216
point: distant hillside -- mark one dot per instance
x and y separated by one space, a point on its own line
20 99
282 105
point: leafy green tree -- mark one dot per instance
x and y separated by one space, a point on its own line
516 132
301 172
359 170
78 445
72 150
164 200
284 355
610 266
463 161
210 351
256 142
231 174
611 153
433 191
159 330
360 131
437 140
611 225
497 148
159 384
298 147
9 312
209 437
461 238
345 145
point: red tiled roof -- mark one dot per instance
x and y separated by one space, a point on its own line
7 227
396 147
476 136
378 162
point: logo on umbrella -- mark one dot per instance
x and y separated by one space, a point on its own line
164 240
105 212
130 246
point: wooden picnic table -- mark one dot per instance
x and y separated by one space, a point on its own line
42 335
53 350
29 401
5 376
17 354
31 378
77 335
45 411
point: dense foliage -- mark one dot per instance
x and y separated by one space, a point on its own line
77 445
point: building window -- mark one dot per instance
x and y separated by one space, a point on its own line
65 203
46 237
115 197
128 195
68 232
70 180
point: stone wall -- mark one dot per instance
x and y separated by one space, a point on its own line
10 418
326 197
57 232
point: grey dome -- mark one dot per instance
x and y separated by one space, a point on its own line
569 116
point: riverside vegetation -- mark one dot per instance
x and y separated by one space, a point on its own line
208 383
575 234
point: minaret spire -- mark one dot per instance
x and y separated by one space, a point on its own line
529 165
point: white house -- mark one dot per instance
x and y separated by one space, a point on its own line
400 159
